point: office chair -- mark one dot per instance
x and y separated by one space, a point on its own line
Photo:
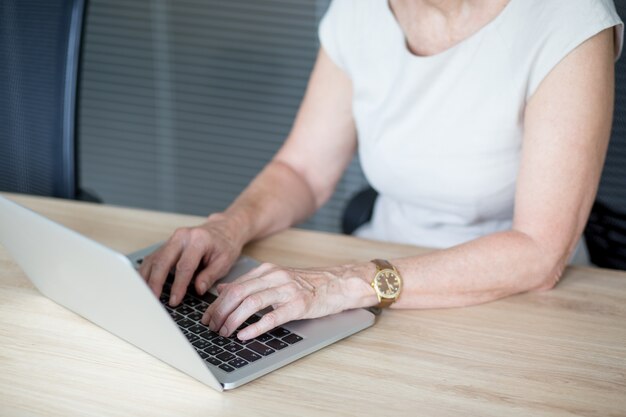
605 233
39 54
359 210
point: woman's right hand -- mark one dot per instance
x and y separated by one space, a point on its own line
206 251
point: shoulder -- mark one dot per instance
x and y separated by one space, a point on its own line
548 30
547 16
345 25
347 16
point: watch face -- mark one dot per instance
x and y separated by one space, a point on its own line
387 283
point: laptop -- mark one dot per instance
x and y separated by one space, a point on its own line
104 287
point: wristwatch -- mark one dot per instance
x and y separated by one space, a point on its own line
387 283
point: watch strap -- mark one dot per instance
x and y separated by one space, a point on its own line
382 264
386 302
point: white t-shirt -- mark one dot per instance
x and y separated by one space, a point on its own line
440 136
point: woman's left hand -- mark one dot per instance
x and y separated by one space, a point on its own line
293 293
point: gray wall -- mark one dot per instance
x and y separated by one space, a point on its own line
183 102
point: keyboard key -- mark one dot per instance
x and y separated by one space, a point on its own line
213 361
175 315
191 337
226 367
248 355
233 347
263 338
221 341
214 350
292 338
277 344
201 344
191 301
225 356
197 328
238 363
280 332
201 307
208 335
204 355
185 322
195 316
260 348
184 309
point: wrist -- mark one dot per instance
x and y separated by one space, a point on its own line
357 286
233 227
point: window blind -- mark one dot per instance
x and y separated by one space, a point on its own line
183 102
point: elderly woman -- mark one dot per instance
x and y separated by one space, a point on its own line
483 124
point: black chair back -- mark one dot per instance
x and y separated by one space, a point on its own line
39 55
606 231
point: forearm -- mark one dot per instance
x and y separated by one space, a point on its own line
275 200
479 271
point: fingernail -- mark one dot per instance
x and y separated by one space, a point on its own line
202 288
223 331
212 325
242 335
173 300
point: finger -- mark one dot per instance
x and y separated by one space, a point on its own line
144 268
269 321
257 272
233 294
217 267
161 264
220 288
210 276
185 268
252 304
229 299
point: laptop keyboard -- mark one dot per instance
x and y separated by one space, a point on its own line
226 353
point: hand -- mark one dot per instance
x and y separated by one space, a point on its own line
293 293
208 251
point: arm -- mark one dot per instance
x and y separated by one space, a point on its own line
567 127
567 124
305 171
299 179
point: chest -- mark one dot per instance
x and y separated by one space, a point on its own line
428 30
444 129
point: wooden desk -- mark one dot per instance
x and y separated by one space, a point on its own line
558 353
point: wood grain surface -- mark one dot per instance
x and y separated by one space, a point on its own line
556 353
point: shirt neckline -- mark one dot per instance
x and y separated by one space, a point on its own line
405 45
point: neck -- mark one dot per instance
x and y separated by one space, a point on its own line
447 8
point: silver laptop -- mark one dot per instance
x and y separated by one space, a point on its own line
104 287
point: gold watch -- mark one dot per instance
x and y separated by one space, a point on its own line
387 283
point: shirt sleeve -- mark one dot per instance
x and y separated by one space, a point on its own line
334 32
564 27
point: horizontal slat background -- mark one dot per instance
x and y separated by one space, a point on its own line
183 102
